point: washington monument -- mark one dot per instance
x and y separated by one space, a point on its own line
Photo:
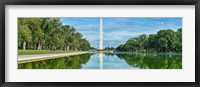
101 35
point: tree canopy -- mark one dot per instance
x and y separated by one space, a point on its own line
49 34
164 41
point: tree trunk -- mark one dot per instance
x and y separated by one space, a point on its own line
55 48
24 45
61 48
52 47
39 46
42 44
67 48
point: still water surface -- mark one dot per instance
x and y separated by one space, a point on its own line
110 61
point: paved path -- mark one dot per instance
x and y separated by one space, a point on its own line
38 57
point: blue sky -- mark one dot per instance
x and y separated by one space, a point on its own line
117 31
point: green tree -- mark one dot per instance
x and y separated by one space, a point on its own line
24 33
164 41
49 33
179 41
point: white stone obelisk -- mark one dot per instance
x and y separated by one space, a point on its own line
101 35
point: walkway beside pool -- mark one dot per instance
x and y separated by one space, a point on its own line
39 57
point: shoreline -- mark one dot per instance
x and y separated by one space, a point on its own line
39 57
148 52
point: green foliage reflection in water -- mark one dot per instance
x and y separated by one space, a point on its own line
153 61
137 60
74 62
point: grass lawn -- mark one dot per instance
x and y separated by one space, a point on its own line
28 52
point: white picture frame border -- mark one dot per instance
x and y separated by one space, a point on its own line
186 74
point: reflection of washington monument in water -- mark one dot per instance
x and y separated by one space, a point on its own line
101 60
101 43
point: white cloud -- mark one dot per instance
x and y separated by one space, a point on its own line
121 35
164 24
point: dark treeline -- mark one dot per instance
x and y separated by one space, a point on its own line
49 34
164 41
109 48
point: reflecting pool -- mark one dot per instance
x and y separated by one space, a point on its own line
110 61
